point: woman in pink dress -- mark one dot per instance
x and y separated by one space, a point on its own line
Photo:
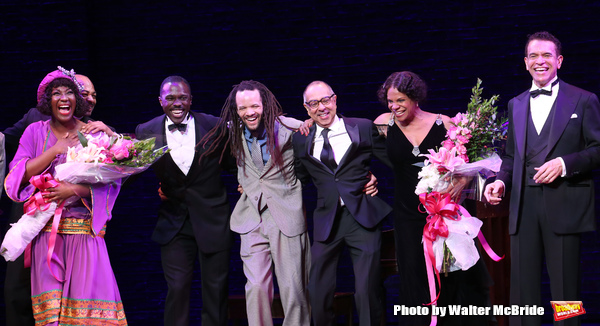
77 285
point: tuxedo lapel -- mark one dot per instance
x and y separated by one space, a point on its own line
158 130
520 116
565 107
354 134
309 144
200 131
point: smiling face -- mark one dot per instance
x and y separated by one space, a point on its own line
88 93
250 109
323 115
542 62
176 100
402 107
62 103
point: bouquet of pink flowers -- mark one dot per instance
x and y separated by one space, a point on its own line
98 159
107 159
468 152
470 148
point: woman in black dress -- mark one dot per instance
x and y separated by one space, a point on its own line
410 131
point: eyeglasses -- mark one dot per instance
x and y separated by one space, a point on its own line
314 104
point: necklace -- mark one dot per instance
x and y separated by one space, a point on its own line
415 151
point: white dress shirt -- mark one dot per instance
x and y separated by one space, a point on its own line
541 105
540 108
338 139
182 145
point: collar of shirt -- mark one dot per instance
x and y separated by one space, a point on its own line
186 121
262 140
335 127
548 86
182 145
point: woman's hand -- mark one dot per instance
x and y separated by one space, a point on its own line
305 127
70 139
65 190
455 187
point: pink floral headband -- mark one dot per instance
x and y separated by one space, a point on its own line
60 73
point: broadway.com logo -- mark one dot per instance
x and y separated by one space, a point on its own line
567 309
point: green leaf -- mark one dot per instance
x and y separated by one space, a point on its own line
82 139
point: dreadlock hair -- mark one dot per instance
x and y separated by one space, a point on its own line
231 126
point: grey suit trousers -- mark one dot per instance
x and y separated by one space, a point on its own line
262 249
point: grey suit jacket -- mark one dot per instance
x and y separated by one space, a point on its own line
574 136
279 187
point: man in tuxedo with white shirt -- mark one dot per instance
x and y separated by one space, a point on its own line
337 155
193 219
553 145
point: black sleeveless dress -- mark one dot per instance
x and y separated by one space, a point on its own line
460 287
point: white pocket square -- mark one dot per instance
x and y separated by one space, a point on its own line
574 116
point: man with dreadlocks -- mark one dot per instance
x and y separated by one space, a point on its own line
269 215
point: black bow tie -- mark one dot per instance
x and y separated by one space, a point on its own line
537 92
182 127
542 91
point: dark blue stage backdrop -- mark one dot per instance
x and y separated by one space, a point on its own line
128 47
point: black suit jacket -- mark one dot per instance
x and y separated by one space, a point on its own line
347 181
574 136
201 194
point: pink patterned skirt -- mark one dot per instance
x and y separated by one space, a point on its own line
89 294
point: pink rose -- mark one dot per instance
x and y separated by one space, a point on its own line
451 133
120 153
462 139
448 144
120 149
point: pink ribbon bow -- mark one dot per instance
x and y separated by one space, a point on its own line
440 206
37 202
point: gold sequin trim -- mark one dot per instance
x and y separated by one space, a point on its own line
74 226
46 308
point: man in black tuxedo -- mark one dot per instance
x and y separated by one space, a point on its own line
193 219
553 146
337 155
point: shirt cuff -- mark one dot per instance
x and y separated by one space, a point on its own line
564 167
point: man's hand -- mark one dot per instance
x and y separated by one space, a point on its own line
161 194
548 172
240 189
96 126
494 191
305 127
371 186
